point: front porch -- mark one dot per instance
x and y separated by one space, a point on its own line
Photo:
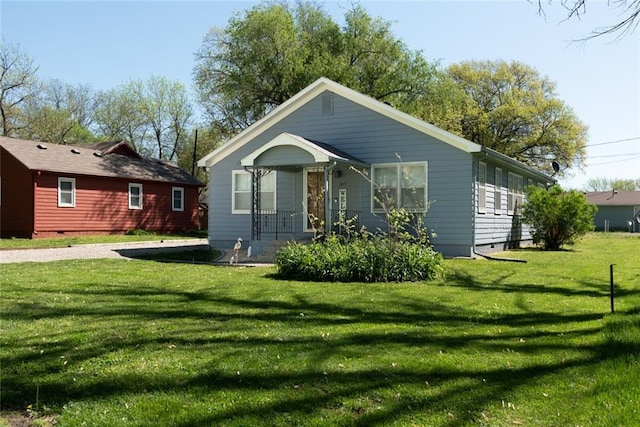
301 189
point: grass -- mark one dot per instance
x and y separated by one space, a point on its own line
114 342
16 243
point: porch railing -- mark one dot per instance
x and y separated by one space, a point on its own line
278 222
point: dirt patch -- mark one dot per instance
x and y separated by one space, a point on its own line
17 419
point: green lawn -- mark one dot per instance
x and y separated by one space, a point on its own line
58 242
116 342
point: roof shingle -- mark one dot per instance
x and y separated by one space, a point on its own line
88 160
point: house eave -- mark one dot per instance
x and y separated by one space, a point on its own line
513 164
315 89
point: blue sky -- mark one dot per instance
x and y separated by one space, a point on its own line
105 44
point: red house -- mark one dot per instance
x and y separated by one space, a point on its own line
50 190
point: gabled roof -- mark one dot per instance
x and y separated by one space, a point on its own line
86 160
614 198
323 84
316 88
321 152
116 147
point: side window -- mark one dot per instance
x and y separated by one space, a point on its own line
177 199
482 187
66 192
135 196
497 192
514 196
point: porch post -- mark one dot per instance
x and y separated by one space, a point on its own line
255 205
327 200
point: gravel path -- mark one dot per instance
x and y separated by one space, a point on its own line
106 250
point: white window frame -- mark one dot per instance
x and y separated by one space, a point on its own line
515 193
271 175
62 204
399 185
497 192
179 190
131 205
482 187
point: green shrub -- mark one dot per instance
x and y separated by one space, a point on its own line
364 258
558 217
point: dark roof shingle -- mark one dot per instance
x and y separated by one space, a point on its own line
87 160
611 198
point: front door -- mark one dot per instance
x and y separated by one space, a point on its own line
314 199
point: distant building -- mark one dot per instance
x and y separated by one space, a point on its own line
617 210
48 190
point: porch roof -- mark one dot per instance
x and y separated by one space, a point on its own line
309 152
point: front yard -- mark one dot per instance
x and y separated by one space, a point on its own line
114 342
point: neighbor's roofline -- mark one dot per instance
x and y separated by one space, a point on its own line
313 90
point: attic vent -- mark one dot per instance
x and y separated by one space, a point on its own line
97 153
74 151
42 146
327 103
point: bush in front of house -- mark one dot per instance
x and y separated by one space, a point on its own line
362 257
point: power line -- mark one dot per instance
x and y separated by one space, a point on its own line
614 161
613 142
614 155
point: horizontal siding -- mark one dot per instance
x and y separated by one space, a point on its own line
496 226
371 138
16 210
102 205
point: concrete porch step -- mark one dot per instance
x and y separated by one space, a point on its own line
267 256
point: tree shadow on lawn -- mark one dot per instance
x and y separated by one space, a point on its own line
572 288
365 396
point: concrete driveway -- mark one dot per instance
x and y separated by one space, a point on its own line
105 250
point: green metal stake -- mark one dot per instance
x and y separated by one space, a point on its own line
611 282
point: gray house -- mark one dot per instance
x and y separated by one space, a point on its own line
617 210
330 152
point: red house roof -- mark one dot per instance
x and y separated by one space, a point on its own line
614 198
114 159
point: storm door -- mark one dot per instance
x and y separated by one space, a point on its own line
314 199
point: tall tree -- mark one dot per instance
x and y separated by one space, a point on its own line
514 110
79 100
629 14
610 184
272 51
18 85
153 115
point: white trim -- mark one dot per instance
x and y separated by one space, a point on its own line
399 187
515 197
319 154
61 204
233 190
482 187
497 192
181 191
139 186
310 92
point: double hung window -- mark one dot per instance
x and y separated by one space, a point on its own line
399 185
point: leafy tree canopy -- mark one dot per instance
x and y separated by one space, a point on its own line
270 52
512 109
609 184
